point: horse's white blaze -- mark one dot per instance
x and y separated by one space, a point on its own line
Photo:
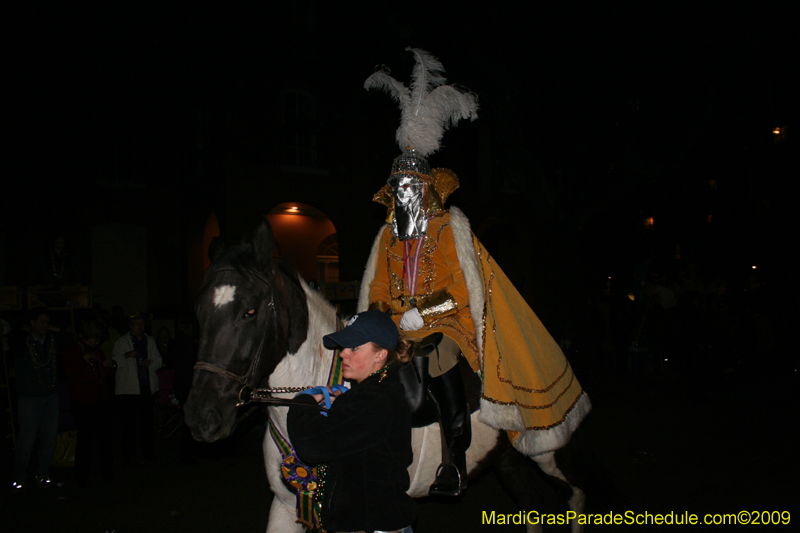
223 295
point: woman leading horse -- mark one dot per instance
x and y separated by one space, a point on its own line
365 437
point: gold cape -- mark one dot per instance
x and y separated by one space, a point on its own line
522 363
529 388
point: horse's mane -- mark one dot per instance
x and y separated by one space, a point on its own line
242 258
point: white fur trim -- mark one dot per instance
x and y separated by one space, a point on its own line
501 416
465 250
535 441
369 273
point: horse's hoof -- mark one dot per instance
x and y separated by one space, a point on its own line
449 481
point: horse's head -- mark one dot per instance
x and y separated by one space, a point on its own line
252 312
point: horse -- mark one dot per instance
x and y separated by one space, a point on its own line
261 324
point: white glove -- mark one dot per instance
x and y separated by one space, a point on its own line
411 320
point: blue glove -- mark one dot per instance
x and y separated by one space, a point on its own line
325 392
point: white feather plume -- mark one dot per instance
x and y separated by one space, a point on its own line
428 107
382 80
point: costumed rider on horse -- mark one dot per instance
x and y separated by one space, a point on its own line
430 274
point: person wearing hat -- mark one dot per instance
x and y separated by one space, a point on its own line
365 439
430 274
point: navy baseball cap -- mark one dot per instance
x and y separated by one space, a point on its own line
369 326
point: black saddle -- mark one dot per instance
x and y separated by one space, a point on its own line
416 380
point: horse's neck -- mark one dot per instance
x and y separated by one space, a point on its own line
310 365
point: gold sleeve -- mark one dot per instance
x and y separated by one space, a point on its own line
438 305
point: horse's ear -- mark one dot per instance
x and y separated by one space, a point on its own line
215 249
262 243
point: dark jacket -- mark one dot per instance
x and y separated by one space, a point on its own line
366 441
89 381
33 379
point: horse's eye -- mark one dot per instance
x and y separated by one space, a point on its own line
250 314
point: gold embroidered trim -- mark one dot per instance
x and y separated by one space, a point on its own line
439 234
563 418
519 387
500 353
453 325
445 182
545 406
479 252
427 267
440 304
393 256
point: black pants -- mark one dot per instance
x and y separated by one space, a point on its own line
136 416
94 422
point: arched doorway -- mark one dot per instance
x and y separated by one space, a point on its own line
328 259
307 240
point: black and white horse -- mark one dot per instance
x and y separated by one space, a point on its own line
262 326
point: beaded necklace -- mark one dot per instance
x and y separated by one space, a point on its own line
48 364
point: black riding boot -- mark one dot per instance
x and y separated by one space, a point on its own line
448 391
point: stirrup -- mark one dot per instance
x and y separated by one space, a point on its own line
442 492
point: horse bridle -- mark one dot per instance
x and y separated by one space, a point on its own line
248 393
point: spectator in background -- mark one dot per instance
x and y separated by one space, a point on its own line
90 375
36 376
136 384
163 342
107 345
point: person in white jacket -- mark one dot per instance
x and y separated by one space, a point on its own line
136 384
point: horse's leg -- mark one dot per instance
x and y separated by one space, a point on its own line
514 476
547 463
282 513
282 518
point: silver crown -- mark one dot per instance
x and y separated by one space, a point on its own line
411 161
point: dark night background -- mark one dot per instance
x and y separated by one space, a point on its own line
593 118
